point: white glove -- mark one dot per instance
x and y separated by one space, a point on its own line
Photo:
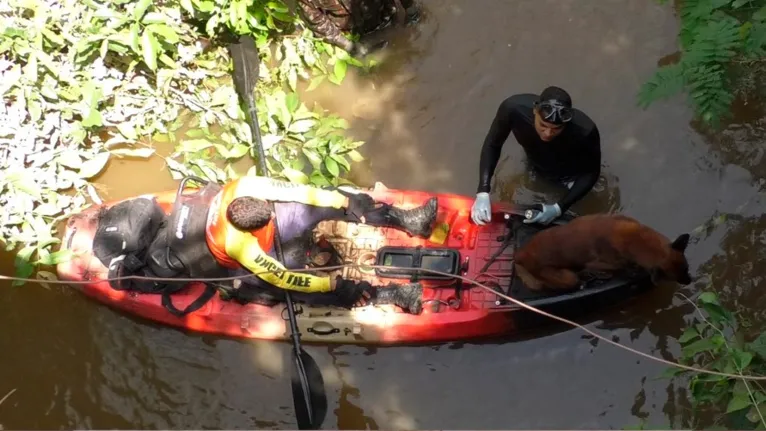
547 215
481 211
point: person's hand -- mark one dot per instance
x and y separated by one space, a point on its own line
351 293
358 204
547 215
481 211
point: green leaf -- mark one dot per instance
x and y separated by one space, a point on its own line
70 159
301 126
127 130
738 402
671 372
143 153
709 298
155 18
357 157
24 267
742 359
332 167
94 166
26 183
238 151
295 176
188 6
56 257
703 345
194 145
759 345
135 38
688 335
315 82
318 179
166 32
341 160
292 102
150 46
339 70
141 8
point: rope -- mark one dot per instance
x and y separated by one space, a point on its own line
353 265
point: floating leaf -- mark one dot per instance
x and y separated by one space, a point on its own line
143 153
315 82
194 145
70 159
94 166
128 130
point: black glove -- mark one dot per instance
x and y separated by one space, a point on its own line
359 204
349 292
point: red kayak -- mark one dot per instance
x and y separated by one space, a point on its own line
453 310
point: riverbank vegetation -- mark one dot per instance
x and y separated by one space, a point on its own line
719 340
722 55
89 81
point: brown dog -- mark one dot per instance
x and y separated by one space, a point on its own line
599 243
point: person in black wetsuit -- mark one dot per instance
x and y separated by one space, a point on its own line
561 143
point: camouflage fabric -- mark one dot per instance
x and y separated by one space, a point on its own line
329 18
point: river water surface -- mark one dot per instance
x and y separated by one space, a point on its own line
76 364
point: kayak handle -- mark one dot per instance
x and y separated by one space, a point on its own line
323 328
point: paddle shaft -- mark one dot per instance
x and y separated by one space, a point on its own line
294 333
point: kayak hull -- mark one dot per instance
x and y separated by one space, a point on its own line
451 311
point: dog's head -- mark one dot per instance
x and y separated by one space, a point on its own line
676 267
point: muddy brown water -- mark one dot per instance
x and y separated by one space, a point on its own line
76 364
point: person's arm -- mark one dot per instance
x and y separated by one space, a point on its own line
585 182
244 248
283 191
493 144
322 26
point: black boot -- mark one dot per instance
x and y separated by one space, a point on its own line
407 296
416 221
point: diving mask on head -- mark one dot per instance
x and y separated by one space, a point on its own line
554 111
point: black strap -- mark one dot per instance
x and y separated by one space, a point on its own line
206 296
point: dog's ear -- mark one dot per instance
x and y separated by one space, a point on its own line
680 243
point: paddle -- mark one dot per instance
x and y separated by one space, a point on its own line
309 397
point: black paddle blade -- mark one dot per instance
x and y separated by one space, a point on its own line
309 415
244 53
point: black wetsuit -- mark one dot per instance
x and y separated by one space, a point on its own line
573 155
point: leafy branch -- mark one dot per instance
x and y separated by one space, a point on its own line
87 81
715 36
